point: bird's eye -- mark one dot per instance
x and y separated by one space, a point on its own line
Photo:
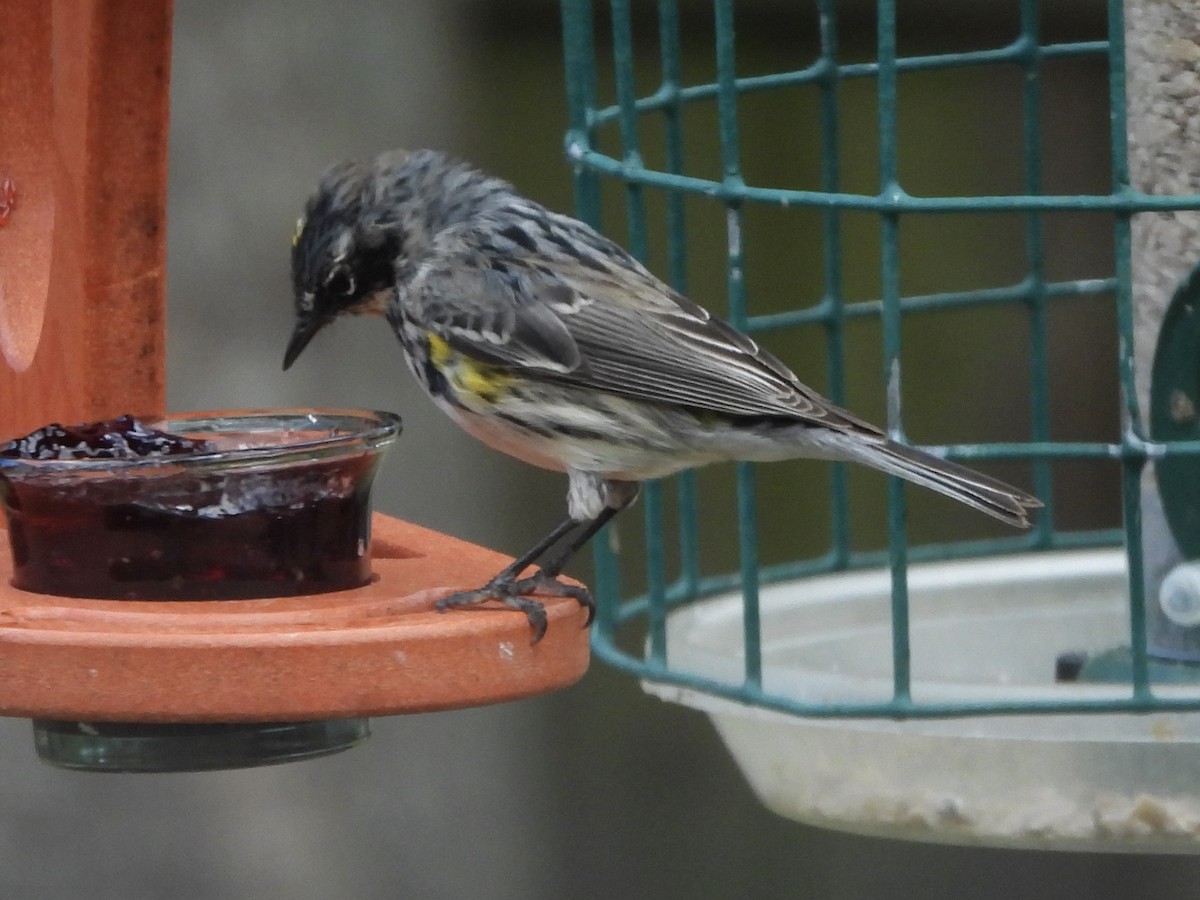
340 282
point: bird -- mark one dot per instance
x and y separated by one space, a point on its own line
548 341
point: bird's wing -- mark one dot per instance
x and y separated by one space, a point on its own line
613 328
489 315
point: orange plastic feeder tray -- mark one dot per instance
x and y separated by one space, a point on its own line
83 162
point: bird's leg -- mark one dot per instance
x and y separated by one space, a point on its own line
509 573
553 566
545 579
507 588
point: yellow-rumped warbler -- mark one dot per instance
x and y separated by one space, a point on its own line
544 339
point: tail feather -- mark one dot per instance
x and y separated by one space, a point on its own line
989 495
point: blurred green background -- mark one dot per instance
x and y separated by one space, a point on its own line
597 791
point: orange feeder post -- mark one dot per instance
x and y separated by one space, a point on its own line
152 685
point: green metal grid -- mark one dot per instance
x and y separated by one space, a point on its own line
891 203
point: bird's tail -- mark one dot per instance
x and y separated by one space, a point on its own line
989 495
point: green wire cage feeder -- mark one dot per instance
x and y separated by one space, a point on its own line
1035 689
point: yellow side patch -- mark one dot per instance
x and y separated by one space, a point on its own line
439 351
470 378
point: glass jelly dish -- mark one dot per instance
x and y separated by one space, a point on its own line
277 503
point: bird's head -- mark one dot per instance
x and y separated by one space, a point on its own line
344 251
368 226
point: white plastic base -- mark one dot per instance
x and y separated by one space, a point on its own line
980 630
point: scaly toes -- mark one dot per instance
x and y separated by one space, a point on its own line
506 592
510 593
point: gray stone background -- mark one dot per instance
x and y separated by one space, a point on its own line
597 791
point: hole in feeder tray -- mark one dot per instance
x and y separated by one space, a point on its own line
195 507
261 504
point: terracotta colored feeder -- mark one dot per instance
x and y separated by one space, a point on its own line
257 612
200 678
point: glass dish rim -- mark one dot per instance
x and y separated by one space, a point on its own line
380 428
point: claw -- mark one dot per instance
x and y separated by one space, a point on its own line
541 583
506 593
511 594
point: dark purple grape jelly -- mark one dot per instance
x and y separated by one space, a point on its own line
121 438
231 507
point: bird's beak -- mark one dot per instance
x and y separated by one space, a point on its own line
305 329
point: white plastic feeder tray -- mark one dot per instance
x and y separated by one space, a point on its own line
981 630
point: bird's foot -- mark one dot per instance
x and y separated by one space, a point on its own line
511 592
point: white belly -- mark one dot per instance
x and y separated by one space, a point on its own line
610 457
